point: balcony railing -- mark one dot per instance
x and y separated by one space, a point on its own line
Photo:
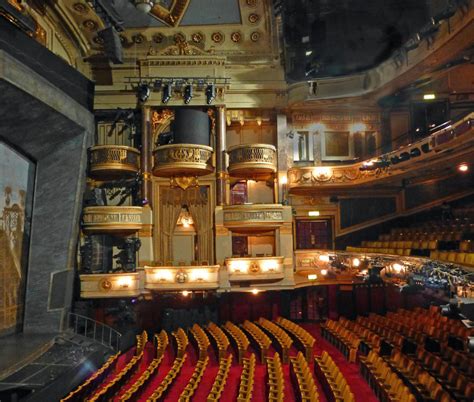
256 217
107 219
184 277
176 160
253 161
110 285
454 140
95 330
112 161
255 269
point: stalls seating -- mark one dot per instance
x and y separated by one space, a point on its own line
332 378
247 379
304 340
303 380
260 338
283 340
220 380
275 379
188 391
240 340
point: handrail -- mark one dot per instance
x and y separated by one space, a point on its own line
98 331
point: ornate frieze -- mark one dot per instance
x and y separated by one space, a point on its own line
262 269
184 277
104 219
176 160
110 285
253 218
252 160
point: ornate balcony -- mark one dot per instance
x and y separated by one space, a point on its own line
182 277
112 219
255 218
253 161
255 269
112 161
447 146
110 285
175 160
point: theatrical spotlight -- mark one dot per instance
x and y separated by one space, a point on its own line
210 93
188 93
167 93
143 92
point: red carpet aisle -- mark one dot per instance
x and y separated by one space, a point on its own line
359 387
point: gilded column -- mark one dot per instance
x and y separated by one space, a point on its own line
146 154
221 156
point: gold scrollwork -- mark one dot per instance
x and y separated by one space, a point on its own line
332 175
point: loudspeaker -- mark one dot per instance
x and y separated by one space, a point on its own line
101 253
58 289
112 45
191 126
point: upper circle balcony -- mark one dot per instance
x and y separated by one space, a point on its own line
113 161
175 160
252 161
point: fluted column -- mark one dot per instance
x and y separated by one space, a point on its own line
221 156
146 154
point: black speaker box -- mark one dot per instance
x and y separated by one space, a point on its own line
112 45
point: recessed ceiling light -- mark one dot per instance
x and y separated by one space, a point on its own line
463 167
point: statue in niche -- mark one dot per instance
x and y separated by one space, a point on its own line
127 256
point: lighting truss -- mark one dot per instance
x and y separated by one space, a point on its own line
187 86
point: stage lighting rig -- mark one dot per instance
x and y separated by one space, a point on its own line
143 93
167 93
210 93
188 94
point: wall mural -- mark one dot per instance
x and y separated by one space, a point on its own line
16 190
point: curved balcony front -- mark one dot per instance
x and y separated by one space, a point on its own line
252 161
445 147
108 162
178 160
182 277
255 269
110 285
112 219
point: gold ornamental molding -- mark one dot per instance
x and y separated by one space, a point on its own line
311 176
111 161
254 161
182 160
255 269
253 218
184 277
107 219
110 285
